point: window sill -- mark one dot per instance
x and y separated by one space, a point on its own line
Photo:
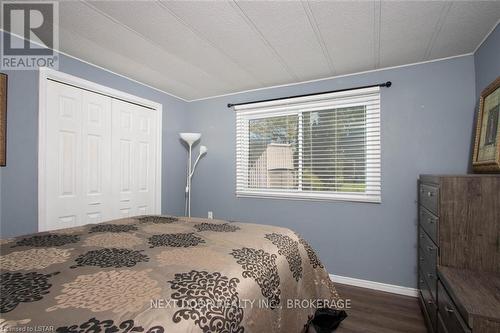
310 196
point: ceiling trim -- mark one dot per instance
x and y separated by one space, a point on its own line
333 77
147 40
437 29
377 27
267 87
102 68
321 41
206 39
486 37
259 33
256 89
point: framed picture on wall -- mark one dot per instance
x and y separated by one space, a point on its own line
487 144
3 119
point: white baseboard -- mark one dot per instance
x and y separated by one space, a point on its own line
390 288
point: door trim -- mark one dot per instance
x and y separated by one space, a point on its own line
46 74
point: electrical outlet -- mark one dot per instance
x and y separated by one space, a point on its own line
210 215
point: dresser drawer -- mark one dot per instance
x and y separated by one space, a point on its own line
440 325
428 251
429 303
428 273
427 320
429 196
429 222
452 319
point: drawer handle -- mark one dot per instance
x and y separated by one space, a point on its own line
430 302
431 221
430 276
430 248
422 259
430 194
447 309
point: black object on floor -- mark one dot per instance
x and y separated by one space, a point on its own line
325 320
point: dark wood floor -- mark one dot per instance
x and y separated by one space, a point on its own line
379 312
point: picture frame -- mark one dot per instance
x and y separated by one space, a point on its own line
3 119
486 156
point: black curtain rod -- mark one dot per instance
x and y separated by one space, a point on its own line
385 84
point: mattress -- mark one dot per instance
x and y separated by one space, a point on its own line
162 274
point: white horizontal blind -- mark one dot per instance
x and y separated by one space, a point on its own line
316 147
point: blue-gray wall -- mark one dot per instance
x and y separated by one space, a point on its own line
426 128
487 61
427 121
18 191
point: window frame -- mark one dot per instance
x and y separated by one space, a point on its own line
297 106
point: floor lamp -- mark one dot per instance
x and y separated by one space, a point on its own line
190 139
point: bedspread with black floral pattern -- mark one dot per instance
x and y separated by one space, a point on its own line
160 274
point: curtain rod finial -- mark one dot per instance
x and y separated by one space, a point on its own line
388 84
229 105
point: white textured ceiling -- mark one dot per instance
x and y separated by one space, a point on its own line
200 49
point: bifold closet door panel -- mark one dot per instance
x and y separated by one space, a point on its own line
78 156
63 156
146 145
96 150
133 159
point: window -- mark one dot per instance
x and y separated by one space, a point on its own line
316 147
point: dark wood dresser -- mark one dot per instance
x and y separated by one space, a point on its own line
459 253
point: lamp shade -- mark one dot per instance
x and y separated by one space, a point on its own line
190 138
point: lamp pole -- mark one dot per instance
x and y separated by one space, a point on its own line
189 181
190 139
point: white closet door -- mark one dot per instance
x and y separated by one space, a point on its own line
134 159
100 158
64 156
146 159
78 156
96 159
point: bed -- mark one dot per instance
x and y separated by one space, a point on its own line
161 274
